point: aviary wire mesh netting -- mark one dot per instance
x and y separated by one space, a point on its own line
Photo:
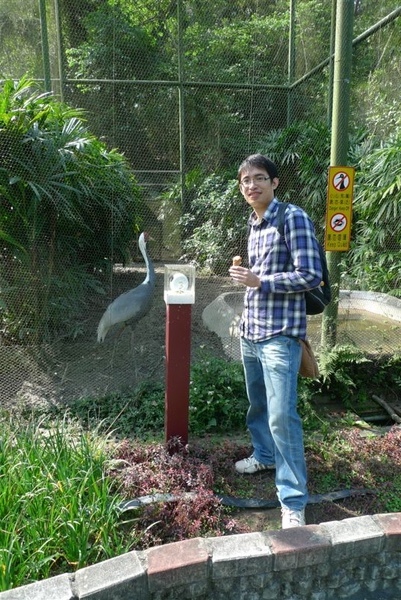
173 96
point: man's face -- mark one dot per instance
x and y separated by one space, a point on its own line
258 188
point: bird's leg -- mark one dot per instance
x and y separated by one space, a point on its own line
133 352
116 338
132 339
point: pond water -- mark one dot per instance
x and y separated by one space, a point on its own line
368 331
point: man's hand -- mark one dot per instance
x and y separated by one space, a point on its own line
244 277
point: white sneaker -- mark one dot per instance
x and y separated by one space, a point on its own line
251 465
292 518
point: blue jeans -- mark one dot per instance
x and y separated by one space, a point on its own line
271 376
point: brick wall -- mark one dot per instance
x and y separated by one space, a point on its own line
356 559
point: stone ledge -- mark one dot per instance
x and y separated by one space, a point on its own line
204 568
390 524
120 577
359 536
233 555
59 587
177 564
300 547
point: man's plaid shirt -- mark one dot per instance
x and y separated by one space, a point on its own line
287 267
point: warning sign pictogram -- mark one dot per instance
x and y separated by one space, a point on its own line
338 222
341 181
339 208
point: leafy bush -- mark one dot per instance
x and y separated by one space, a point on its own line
135 412
343 378
56 462
217 403
213 231
337 369
302 153
153 470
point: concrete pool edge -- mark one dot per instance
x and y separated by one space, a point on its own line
222 316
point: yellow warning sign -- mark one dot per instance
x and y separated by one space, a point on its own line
340 191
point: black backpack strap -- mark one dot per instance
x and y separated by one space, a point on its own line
282 207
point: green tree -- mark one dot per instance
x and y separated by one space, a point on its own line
119 47
302 152
122 45
20 45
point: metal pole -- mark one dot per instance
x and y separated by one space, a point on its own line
59 48
339 144
331 63
181 105
291 61
45 46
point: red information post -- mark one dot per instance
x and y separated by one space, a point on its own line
179 295
178 362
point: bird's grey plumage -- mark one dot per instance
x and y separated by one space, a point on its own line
133 305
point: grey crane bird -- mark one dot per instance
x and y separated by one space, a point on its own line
131 306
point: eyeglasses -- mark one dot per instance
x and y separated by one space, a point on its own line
258 179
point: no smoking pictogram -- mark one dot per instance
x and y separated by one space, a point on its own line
341 181
338 222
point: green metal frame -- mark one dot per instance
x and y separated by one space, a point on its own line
339 62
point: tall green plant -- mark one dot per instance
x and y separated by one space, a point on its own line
66 203
215 227
375 257
58 510
302 152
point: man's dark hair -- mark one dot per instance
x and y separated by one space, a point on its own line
259 161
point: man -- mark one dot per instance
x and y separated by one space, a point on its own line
281 269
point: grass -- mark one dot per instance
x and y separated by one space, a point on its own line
57 509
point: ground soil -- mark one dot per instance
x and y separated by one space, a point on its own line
70 368
261 486
270 518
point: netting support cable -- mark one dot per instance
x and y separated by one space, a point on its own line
189 84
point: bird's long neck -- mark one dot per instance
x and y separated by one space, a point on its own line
150 271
